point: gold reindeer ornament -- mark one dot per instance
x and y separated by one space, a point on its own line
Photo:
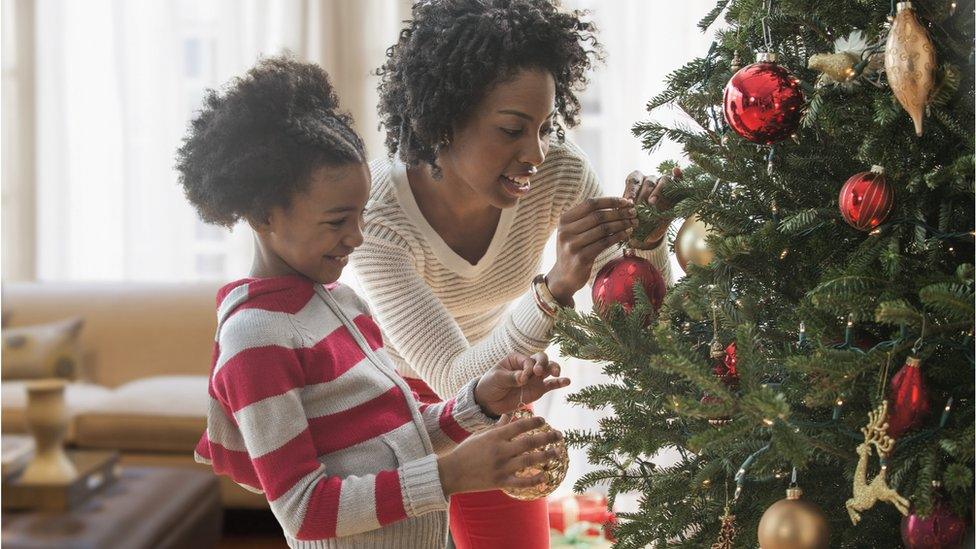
866 494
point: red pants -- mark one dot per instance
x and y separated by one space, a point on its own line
490 520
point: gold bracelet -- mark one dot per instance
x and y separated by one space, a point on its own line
544 299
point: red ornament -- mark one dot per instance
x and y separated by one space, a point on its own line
866 199
908 403
726 369
763 102
615 283
942 529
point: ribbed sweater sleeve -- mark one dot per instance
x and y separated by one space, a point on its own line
451 421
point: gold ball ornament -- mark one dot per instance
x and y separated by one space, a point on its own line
554 470
910 63
793 523
690 245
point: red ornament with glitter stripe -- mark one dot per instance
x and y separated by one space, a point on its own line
866 199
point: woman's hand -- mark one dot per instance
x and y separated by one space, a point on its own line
517 376
489 460
643 190
583 233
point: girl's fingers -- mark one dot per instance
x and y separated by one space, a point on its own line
524 482
515 428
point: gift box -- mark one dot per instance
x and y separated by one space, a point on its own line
579 536
568 512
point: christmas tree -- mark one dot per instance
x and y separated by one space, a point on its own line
828 237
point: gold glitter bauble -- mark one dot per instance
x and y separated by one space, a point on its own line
554 470
793 523
690 245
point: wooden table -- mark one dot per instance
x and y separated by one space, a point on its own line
146 508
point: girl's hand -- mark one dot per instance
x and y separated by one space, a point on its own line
489 460
643 190
517 376
583 233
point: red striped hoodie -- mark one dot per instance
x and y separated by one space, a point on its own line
306 408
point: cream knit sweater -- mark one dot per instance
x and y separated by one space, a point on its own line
445 320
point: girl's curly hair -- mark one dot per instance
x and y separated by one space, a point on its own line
454 51
253 146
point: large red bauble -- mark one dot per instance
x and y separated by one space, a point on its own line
865 199
615 283
908 401
942 529
763 103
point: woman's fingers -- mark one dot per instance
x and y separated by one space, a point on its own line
591 205
614 232
598 218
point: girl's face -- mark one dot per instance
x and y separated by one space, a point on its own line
315 234
498 147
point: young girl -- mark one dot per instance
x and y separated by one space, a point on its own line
305 406
461 211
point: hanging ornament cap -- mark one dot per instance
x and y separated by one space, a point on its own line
913 362
877 169
903 6
794 492
766 57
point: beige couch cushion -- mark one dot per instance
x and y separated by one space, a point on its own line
132 330
79 398
156 414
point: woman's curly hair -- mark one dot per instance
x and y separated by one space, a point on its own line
253 146
454 51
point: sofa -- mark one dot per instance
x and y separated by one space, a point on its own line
141 385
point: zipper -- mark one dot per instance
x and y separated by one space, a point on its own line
418 421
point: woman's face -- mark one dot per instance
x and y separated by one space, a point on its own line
506 137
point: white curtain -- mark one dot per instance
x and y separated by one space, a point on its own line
644 41
117 82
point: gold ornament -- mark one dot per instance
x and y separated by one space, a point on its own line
690 245
727 533
839 67
836 67
793 523
867 494
554 470
910 63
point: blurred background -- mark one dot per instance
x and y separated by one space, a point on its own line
97 95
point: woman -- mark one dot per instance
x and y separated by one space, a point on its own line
460 213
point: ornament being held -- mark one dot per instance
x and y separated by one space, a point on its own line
554 470
793 523
615 283
910 63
